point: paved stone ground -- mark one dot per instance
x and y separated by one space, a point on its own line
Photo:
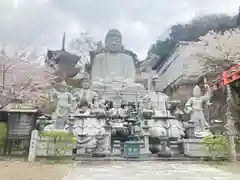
150 170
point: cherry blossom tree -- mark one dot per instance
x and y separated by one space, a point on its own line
21 76
217 51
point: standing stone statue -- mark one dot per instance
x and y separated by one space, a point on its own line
113 64
194 107
63 100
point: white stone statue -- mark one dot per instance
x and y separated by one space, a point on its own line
114 71
85 95
194 106
113 64
63 100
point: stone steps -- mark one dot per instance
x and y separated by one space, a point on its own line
141 158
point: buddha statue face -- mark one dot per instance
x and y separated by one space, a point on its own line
113 41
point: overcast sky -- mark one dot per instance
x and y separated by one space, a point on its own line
42 22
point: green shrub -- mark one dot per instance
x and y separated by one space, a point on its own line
216 146
3 133
58 143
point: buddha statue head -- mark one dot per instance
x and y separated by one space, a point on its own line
113 41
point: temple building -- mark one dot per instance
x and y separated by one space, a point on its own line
179 70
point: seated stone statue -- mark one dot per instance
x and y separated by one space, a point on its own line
113 71
84 96
113 64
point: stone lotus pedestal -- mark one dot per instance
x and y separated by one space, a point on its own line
159 133
93 133
84 144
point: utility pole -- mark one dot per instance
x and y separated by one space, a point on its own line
238 18
3 76
230 127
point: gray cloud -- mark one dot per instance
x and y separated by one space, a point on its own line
42 23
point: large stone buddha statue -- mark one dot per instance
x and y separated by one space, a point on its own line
113 64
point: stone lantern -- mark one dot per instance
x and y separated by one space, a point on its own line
42 120
71 122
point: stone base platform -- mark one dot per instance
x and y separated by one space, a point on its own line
194 148
141 158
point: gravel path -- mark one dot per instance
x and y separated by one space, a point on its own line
32 171
150 170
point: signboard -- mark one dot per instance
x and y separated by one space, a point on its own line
19 107
21 119
20 124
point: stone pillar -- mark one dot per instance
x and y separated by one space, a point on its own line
191 129
146 135
71 122
33 146
146 143
107 137
122 148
